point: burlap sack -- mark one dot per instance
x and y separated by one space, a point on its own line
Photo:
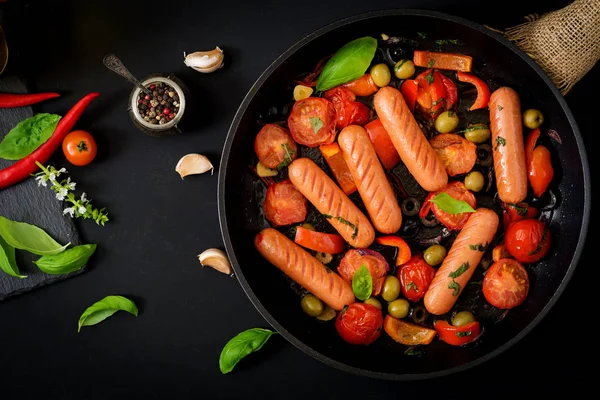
565 42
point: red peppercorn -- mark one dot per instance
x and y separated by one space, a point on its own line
152 87
147 97
166 111
140 101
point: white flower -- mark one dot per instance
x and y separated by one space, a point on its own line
70 185
62 193
61 171
52 177
81 210
83 198
41 180
69 210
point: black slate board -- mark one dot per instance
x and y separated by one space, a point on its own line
26 202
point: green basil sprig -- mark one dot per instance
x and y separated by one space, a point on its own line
362 283
8 262
24 236
350 62
241 345
450 205
68 261
28 135
104 308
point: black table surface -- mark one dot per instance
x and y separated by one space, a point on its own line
159 223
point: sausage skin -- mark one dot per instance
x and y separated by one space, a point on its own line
409 140
372 183
332 202
508 145
303 268
462 260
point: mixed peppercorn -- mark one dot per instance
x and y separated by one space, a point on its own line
162 106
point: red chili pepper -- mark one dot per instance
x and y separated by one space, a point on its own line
457 335
23 168
451 91
483 91
12 100
539 164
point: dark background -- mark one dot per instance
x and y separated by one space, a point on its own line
159 223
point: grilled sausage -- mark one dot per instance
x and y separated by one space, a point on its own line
372 183
332 202
408 139
460 263
508 145
303 268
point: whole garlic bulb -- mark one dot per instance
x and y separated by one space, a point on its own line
205 61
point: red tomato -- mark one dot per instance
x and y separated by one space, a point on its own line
275 146
409 90
539 164
312 121
284 204
456 190
319 241
451 91
348 111
506 283
457 153
359 323
432 93
375 262
415 277
457 335
517 212
528 240
382 144
363 86
79 147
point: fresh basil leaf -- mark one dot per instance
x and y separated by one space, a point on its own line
8 262
24 236
350 62
362 283
450 205
28 135
241 345
316 124
68 261
104 308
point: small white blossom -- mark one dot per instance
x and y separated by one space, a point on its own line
81 210
52 177
84 199
70 185
69 210
62 193
41 180
61 171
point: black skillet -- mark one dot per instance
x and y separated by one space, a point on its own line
240 196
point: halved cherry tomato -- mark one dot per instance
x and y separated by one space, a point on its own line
284 204
456 190
458 154
407 333
539 164
275 146
374 261
432 93
348 111
79 147
320 241
382 144
506 283
499 252
528 240
359 323
409 90
483 91
415 277
404 253
312 121
517 212
457 335
451 91
363 86
335 160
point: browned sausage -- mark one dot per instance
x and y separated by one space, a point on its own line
408 139
462 259
508 146
332 202
303 268
372 183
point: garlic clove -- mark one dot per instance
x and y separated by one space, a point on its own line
205 61
217 259
193 163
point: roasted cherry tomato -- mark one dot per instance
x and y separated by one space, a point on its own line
451 91
517 212
79 147
348 111
312 121
359 323
284 204
320 241
431 95
382 144
415 277
528 240
457 191
539 164
363 86
404 253
457 153
374 261
506 283
407 333
275 146
457 335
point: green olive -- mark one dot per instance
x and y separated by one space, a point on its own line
311 305
391 288
381 74
474 181
374 302
435 254
404 69
446 122
477 133
327 315
398 308
462 318
533 118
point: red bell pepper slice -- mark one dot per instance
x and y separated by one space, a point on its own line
335 160
426 207
382 144
539 164
436 59
530 143
404 253
451 91
483 91
457 335
432 93
319 241
409 90
363 86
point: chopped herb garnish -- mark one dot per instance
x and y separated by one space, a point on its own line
316 124
422 35
463 334
539 246
430 78
455 287
473 128
412 285
500 108
459 271
430 63
344 221
500 141
288 158
447 41
438 101
479 246
399 65
327 216
450 113
522 211
413 351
